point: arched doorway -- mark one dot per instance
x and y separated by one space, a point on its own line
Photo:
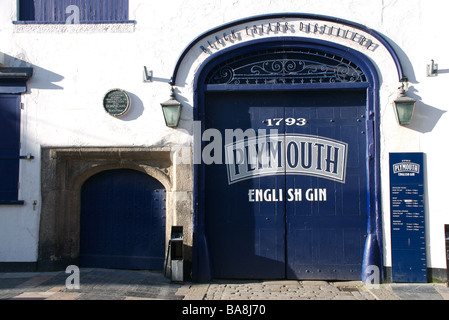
299 203
122 221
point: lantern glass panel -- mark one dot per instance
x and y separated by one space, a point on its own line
405 112
171 115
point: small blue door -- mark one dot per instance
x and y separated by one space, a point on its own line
298 209
122 221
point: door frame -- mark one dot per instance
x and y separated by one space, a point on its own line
64 171
373 248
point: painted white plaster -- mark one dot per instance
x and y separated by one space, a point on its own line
74 66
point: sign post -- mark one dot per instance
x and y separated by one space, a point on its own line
408 239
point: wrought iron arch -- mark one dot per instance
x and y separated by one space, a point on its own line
286 66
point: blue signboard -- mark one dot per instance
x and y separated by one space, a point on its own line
408 239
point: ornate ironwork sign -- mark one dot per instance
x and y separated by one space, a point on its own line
271 27
286 67
116 102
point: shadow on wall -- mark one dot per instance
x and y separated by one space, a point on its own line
136 110
425 117
42 78
186 113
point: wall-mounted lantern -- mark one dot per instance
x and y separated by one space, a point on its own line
172 110
404 107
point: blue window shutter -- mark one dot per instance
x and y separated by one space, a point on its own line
90 10
9 147
26 10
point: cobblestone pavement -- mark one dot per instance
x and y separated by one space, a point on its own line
288 290
105 284
315 290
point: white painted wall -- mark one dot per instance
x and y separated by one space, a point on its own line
76 65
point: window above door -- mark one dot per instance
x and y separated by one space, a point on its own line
286 66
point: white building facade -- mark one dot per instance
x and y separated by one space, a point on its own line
324 74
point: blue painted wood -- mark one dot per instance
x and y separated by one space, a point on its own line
202 262
280 238
9 147
122 221
90 10
26 10
326 236
246 240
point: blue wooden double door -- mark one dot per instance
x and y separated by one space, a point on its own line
122 223
289 203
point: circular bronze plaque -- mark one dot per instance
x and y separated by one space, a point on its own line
116 102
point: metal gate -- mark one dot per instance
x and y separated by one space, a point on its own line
122 221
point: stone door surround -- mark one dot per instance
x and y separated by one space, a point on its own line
63 173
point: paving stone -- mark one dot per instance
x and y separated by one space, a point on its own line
314 283
35 281
281 282
8 283
8 294
33 296
382 292
57 289
183 290
138 298
95 296
197 292
443 290
416 291
64 296
339 284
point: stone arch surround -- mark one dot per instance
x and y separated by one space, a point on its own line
63 173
